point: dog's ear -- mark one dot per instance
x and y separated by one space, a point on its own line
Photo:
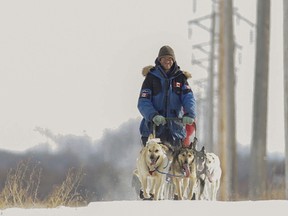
151 136
193 144
176 151
170 147
203 149
167 148
164 147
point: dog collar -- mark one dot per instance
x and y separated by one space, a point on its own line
151 171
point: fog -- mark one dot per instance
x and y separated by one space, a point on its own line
107 163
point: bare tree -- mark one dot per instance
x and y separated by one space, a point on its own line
257 185
285 42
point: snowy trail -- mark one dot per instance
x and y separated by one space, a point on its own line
165 208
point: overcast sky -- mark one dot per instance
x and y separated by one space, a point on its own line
75 66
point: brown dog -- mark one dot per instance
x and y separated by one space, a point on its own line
183 172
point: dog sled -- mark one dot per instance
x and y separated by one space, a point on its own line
169 173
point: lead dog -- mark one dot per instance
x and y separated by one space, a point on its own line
183 172
153 159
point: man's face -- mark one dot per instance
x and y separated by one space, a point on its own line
166 62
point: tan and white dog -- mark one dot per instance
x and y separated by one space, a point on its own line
183 172
153 160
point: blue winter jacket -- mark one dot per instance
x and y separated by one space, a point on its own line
167 95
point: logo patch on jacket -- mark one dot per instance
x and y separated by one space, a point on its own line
177 84
145 94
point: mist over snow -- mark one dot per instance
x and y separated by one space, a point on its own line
108 163
118 145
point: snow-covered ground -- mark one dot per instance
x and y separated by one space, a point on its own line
165 208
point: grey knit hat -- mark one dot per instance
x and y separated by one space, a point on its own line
166 50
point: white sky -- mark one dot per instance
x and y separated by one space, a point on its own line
75 66
164 207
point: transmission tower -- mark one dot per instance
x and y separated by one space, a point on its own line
205 56
206 59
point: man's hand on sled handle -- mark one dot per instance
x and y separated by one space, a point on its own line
187 120
159 120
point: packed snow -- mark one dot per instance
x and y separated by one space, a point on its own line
165 208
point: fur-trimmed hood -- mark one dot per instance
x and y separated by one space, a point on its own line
147 69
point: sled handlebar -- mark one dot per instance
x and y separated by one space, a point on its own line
171 119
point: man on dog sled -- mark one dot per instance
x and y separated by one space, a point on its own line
165 94
166 101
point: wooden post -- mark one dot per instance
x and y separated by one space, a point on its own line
224 189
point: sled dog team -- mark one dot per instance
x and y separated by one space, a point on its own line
193 174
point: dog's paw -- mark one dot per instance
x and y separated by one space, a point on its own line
194 196
150 198
141 195
175 197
